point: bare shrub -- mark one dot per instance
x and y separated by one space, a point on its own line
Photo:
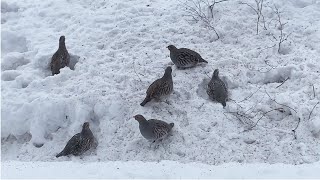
202 10
281 36
257 8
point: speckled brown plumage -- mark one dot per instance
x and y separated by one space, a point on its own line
60 58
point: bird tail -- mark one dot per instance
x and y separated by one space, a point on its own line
147 99
60 154
202 60
171 124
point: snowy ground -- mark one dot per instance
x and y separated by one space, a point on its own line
161 170
119 48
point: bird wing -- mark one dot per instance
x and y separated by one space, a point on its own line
159 128
192 53
54 60
153 88
73 144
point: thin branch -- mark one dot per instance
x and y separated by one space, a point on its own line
283 82
258 10
212 6
279 103
195 11
248 97
314 93
134 69
279 109
312 110
294 130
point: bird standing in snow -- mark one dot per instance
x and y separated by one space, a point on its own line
217 89
153 129
79 143
60 58
184 58
160 87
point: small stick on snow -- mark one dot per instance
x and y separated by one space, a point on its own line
294 130
283 82
134 69
250 95
312 110
279 103
314 93
277 109
207 75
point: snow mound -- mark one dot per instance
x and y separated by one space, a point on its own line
11 42
13 60
5 7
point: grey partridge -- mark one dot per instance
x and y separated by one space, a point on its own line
153 129
60 58
160 87
184 58
79 143
217 89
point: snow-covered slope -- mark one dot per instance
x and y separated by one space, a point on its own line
119 47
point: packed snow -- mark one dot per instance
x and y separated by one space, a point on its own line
118 48
160 170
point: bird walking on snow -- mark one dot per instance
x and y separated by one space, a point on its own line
60 58
153 129
79 143
160 87
184 58
217 89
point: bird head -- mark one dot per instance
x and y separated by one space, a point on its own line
85 125
216 73
139 118
62 39
168 70
171 47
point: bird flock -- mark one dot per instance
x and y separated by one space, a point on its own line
153 130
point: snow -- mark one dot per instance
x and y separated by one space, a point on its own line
118 48
159 170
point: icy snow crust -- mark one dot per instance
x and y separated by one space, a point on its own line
119 48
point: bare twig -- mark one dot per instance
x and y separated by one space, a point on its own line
277 109
294 130
134 69
282 37
248 97
211 6
207 75
196 11
283 82
279 103
314 93
312 110
258 10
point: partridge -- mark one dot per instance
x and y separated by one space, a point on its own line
184 58
160 87
217 89
60 58
79 143
153 129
